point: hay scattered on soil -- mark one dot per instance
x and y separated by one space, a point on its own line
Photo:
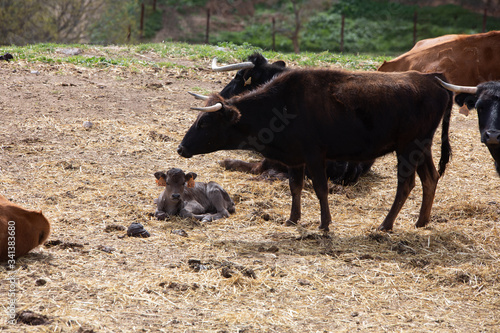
244 273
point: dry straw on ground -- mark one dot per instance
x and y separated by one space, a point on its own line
246 273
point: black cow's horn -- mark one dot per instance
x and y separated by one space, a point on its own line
198 96
458 89
241 65
213 108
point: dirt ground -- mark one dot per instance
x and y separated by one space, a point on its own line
246 273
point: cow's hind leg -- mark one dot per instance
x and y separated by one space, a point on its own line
429 178
296 182
320 184
406 182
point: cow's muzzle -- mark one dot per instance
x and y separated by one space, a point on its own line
176 196
181 150
491 137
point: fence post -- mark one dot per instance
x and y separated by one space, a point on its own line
273 33
141 26
415 19
342 25
207 32
485 17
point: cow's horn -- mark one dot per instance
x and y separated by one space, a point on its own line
213 108
198 96
241 65
457 89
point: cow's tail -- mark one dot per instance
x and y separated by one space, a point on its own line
445 139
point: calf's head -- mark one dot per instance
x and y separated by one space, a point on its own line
174 181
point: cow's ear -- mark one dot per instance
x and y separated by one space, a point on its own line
191 175
467 99
280 63
257 59
232 114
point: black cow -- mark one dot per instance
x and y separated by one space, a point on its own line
252 74
183 197
486 99
304 117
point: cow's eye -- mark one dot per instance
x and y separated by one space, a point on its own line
204 122
480 106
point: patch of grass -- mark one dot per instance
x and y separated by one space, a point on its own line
127 55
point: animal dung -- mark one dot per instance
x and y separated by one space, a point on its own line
180 232
137 230
31 318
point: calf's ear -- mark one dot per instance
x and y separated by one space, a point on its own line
191 175
467 99
161 178
160 174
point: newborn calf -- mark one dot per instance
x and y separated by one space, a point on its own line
183 197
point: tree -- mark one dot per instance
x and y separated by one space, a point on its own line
17 24
31 21
118 22
291 20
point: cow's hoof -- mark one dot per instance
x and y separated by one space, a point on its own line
324 229
290 223
421 224
384 228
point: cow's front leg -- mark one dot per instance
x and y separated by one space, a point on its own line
320 184
296 182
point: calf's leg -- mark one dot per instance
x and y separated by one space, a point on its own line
220 200
296 182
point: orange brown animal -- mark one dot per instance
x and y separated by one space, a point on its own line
21 230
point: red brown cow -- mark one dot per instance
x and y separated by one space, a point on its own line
21 230
303 118
463 59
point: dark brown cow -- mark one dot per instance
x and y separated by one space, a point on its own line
251 75
463 59
303 118
185 197
486 99
21 230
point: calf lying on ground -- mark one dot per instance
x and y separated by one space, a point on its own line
183 197
21 230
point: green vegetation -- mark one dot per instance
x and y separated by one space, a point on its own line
370 26
126 56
